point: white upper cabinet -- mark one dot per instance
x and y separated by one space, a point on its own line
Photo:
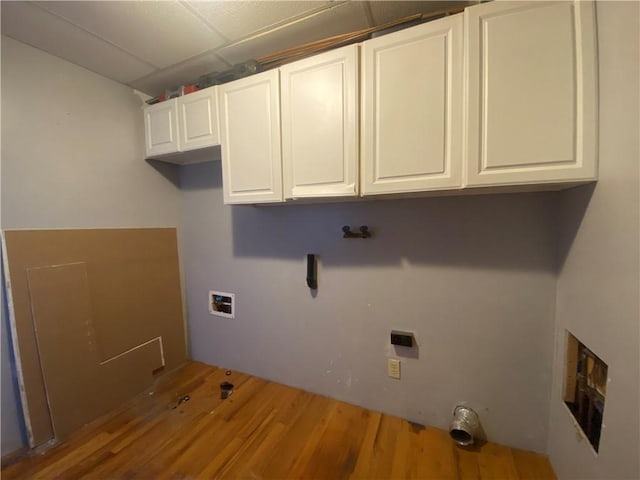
320 125
532 94
184 124
250 127
161 128
412 110
504 95
198 117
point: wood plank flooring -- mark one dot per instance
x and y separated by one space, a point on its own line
264 430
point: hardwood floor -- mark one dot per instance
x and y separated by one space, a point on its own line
264 430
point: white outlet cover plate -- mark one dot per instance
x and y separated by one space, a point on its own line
393 367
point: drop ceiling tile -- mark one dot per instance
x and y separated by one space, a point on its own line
342 18
159 32
236 20
30 24
181 74
386 11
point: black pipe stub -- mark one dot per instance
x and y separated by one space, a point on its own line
226 389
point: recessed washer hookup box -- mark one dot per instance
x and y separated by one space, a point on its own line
403 339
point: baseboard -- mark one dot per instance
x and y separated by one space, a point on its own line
11 458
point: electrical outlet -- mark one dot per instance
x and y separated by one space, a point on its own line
393 367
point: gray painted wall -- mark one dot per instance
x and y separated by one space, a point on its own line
73 149
72 156
598 284
12 436
473 277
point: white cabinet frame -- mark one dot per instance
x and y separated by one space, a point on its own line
320 151
531 113
250 127
412 109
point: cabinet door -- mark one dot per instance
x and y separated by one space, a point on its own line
412 110
161 128
531 93
250 125
320 125
198 115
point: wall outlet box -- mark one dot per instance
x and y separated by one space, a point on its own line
222 304
403 339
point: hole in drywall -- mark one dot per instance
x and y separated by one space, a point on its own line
222 304
585 388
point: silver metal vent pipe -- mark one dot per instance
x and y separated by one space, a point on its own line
464 426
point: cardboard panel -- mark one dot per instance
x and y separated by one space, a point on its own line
79 386
109 295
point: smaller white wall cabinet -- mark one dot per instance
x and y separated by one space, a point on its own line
532 97
198 117
319 98
250 127
161 128
182 124
412 109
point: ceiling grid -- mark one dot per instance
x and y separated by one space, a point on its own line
155 45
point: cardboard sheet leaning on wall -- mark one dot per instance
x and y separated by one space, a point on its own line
95 315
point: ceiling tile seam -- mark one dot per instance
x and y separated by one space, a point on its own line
369 14
257 33
291 20
200 17
173 66
213 51
66 20
287 23
263 31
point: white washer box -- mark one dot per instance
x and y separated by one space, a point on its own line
222 304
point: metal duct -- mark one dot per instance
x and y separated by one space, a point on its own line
464 426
